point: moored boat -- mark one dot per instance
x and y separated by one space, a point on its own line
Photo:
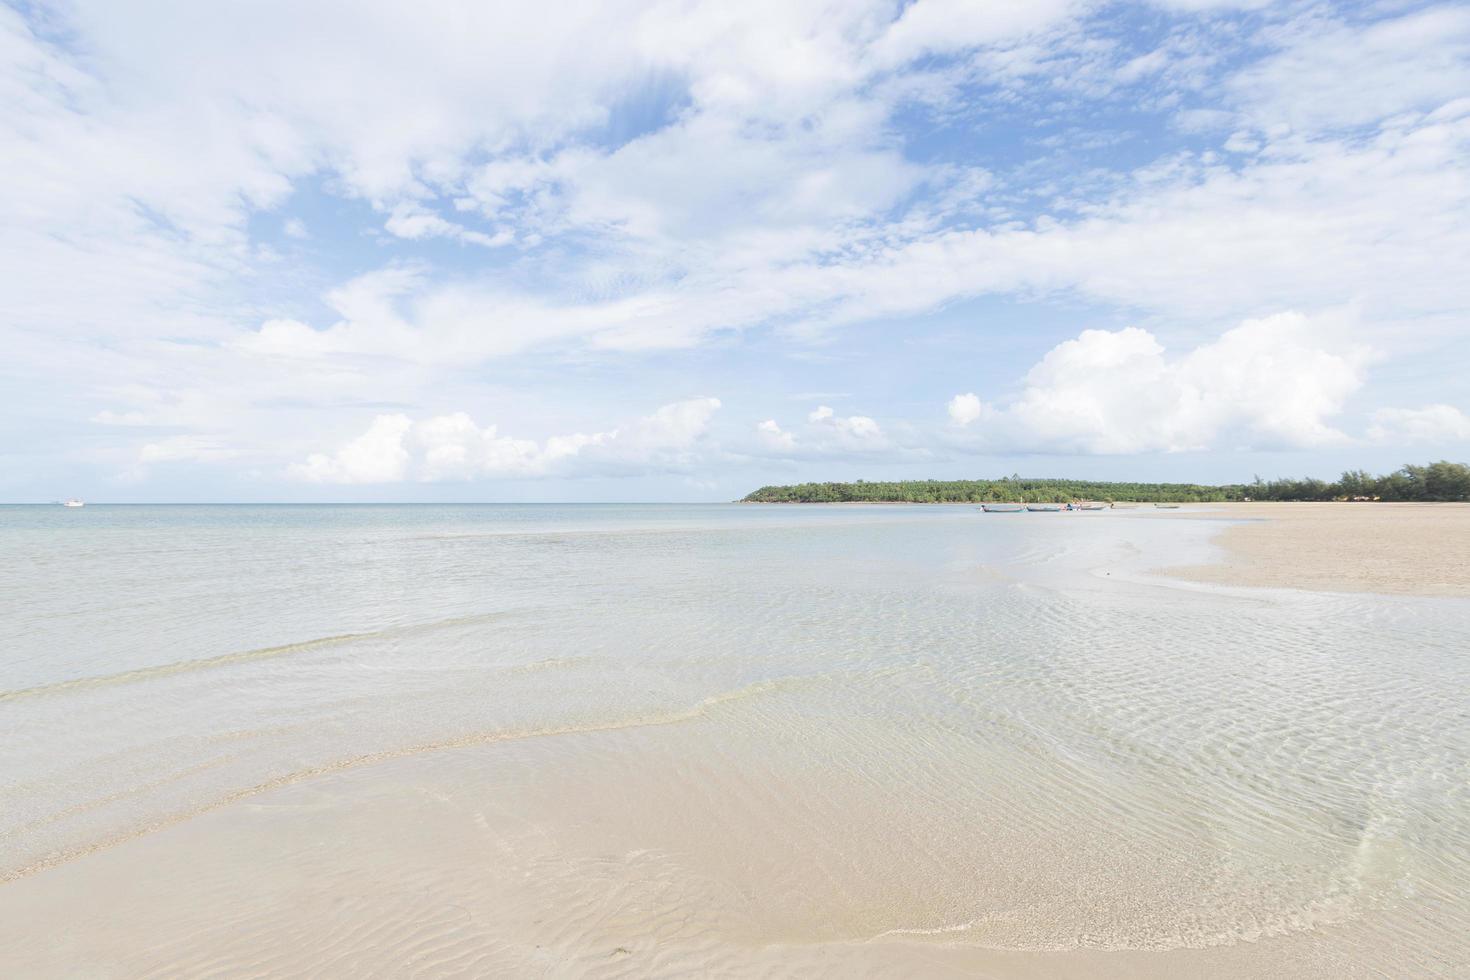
1044 507
1091 506
1167 506
1002 508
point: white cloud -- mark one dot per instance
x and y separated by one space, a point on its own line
825 434
377 456
413 221
965 408
1311 225
1330 75
852 431
395 448
1266 384
769 195
774 438
397 313
1430 424
945 26
1304 224
1195 6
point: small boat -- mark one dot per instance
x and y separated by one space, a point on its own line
1044 507
73 502
1002 508
1091 506
1167 506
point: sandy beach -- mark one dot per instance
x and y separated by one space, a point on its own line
736 741
610 855
1392 549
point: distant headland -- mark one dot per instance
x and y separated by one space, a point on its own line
1441 481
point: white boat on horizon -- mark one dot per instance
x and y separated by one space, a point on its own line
73 502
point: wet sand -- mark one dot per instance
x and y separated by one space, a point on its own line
599 855
1393 549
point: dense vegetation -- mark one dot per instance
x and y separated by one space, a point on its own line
1436 481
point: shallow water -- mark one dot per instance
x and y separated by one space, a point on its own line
868 724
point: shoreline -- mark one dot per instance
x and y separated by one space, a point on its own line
1411 549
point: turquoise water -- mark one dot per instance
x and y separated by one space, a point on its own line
1216 766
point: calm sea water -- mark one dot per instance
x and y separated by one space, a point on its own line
1151 765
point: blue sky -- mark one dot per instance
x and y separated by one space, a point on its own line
659 251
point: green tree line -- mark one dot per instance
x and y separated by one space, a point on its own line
1433 481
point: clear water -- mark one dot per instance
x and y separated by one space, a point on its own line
1052 750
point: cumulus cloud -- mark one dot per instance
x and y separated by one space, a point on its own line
774 438
825 434
376 456
395 448
1430 424
1269 383
847 432
965 408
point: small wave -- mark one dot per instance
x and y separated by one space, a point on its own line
245 656
920 931
674 717
550 663
1330 908
180 666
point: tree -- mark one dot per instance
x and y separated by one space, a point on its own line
1442 480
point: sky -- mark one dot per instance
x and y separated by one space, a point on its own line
376 251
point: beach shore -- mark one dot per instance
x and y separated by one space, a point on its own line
1394 549
797 742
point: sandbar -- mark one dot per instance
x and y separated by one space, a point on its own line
1389 548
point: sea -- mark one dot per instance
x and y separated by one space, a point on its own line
914 724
